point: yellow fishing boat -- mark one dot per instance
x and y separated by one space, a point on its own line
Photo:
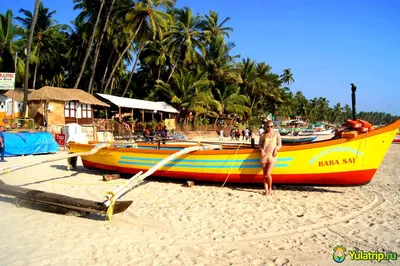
343 161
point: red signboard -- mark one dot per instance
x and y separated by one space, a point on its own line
60 139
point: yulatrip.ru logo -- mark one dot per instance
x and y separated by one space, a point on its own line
340 254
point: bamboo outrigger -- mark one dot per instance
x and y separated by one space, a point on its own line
53 199
109 206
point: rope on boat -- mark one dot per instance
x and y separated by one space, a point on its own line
233 161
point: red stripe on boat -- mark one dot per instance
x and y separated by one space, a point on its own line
353 178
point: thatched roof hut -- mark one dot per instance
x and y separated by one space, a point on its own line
64 95
17 94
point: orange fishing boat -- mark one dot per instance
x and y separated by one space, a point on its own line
351 159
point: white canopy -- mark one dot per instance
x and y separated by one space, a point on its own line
139 104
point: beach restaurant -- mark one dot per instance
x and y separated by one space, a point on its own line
139 110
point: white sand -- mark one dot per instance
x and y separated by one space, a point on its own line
170 224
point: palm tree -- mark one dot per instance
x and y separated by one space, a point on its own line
232 102
28 55
184 38
336 114
140 48
300 104
212 28
156 52
89 47
219 63
9 46
287 76
98 46
47 35
145 17
184 84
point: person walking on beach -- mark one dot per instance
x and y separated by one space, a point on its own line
2 144
261 130
221 135
246 134
269 144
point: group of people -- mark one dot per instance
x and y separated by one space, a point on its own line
236 133
149 136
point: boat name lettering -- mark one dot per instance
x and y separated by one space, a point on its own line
335 149
336 162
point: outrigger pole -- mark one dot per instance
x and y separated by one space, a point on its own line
13 168
52 199
112 196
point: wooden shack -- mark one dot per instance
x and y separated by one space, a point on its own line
60 106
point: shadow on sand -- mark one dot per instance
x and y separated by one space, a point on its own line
48 180
251 188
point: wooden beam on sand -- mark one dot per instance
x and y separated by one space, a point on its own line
58 200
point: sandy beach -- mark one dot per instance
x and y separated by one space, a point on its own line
171 224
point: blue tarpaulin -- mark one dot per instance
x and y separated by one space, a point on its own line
27 143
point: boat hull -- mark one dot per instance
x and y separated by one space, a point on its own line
355 178
297 140
323 132
332 162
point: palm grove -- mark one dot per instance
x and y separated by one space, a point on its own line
149 49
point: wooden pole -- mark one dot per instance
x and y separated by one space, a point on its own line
12 105
353 100
71 155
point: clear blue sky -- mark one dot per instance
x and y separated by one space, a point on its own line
327 44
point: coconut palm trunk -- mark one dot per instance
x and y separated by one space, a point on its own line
172 72
103 79
98 46
28 55
34 76
36 69
122 55
133 70
89 47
